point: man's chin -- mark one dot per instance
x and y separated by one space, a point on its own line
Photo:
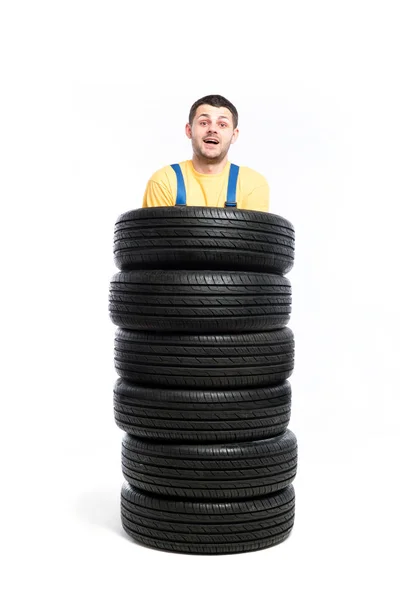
212 157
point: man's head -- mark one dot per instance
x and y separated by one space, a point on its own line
212 119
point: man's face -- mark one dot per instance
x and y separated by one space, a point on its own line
212 132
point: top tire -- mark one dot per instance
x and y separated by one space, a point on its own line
188 237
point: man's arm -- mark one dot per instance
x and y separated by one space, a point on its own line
157 194
258 199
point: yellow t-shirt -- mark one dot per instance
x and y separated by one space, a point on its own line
252 190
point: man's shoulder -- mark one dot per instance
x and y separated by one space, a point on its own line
161 174
166 173
254 177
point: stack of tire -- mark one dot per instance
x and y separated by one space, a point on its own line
203 354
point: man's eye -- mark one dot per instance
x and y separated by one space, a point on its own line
223 124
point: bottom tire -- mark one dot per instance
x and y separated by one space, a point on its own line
207 527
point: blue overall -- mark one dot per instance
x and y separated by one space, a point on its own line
231 193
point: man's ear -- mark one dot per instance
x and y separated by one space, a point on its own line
235 136
188 130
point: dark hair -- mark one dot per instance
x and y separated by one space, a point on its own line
217 101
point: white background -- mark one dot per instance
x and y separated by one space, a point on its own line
94 99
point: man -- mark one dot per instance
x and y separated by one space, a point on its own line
209 179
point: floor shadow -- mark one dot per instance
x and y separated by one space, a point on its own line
101 507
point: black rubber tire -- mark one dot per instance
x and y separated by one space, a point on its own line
207 527
203 238
199 301
201 415
211 471
207 361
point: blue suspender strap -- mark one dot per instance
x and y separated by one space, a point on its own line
231 195
181 193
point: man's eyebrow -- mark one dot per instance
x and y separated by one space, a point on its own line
206 115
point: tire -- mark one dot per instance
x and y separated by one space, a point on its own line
213 471
199 301
201 415
205 361
203 238
207 527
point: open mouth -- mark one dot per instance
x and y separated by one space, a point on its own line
211 142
